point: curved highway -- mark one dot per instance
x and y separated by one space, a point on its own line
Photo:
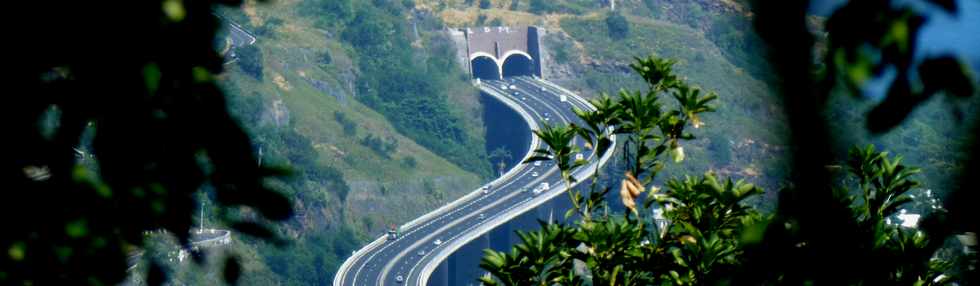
426 241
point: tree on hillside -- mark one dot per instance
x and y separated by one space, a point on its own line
502 156
329 13
541 7
698 230
864 40
116 137
618 27
250 60
837 223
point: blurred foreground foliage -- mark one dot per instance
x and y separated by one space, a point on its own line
864 221
702 230
113 126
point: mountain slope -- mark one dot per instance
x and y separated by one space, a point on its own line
303 92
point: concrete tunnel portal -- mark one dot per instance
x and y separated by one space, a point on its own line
485 67
499 52
513 64
517 65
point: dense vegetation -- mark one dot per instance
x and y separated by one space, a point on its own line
833 216
618 27
107 141
746 134
175 146
395 82
696 230
250 61
294 103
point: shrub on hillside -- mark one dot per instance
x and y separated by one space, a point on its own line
618 27
250 61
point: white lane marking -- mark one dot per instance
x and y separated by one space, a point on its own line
412 247
419 262
534 110
430 222
449 225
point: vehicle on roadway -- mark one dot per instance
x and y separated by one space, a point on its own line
367 266
540 189
537 191
421 252
534 174
564 98
579 157
512 86
399 279
393 233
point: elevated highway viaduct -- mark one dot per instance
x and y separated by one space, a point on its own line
425 243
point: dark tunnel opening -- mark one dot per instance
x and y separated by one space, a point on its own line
485 68
518 65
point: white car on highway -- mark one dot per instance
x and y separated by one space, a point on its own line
485 189
536 192
437 242
540 189
534 174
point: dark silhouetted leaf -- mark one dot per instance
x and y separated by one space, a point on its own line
948 74
948 5
232 271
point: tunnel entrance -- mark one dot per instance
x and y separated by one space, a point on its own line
485 67
518 65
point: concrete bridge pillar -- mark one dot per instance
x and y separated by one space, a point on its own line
499 237
440 277
465 263
525 222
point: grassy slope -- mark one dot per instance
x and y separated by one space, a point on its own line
384 190
600 64
741 139
745 137
291 55
732 143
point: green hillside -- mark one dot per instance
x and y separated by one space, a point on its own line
380 126
716 47
308 90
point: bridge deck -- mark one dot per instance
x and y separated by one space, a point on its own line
427 241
